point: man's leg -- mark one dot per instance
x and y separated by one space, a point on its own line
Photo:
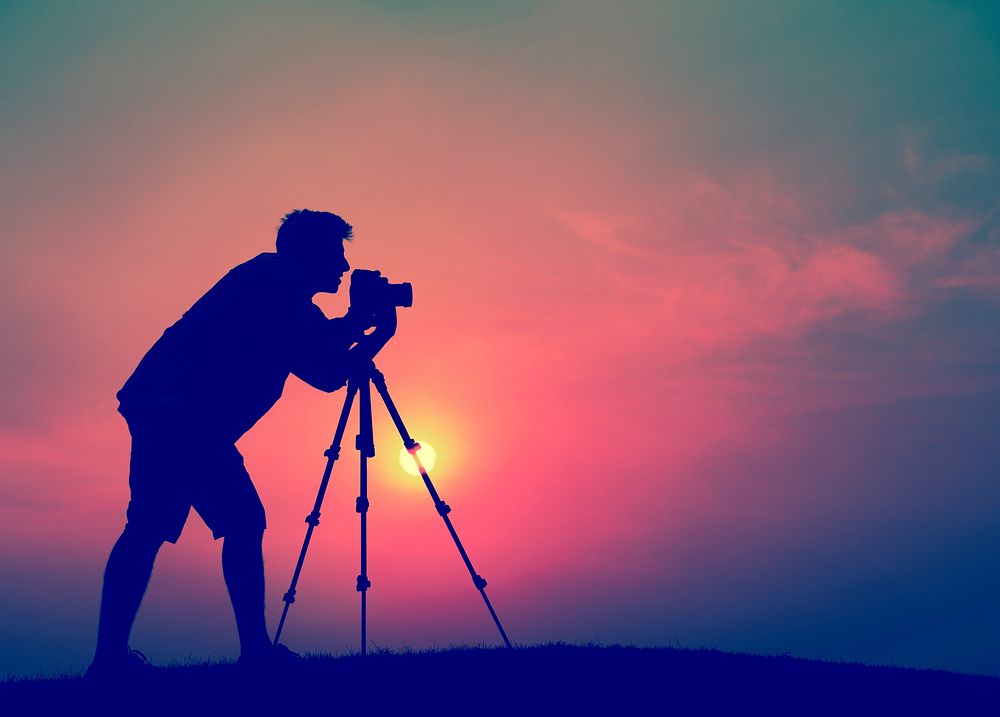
243 568
125 579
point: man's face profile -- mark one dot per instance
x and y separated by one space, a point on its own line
327 266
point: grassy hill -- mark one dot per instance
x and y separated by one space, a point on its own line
554 678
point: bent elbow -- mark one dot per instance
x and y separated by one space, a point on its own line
332 385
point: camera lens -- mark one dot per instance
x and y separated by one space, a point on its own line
400 294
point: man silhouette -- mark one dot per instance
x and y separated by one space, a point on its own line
202 385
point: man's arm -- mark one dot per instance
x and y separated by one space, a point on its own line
320 348
326 351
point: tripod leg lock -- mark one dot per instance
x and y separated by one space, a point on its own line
332 453
364 446
361 505
289 597
363 583
442 508
479 581
313 519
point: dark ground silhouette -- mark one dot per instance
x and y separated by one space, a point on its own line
555 679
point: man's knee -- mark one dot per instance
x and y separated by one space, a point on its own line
243 546
245 523
141 538
244 534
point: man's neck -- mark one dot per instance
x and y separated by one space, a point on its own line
301 277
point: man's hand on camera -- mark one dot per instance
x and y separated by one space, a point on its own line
360 319
385 323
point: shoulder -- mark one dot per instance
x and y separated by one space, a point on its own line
265 272
257 284
267 262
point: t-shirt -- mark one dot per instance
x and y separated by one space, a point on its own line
225 361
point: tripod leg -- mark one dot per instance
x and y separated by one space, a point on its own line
366 449
332 454
442 508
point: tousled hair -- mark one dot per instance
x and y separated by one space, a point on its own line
303 230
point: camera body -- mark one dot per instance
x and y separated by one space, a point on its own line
370 291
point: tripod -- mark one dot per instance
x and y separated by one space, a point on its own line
360 385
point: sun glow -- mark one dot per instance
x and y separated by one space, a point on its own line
427 454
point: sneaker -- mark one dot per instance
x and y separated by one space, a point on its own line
130 665
273 656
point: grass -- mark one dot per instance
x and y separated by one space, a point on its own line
554 678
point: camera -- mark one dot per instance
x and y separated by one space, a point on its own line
371 291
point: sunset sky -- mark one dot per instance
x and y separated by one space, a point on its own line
706 328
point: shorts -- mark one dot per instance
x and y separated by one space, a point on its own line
178 463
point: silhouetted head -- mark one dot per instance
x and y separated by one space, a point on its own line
314 242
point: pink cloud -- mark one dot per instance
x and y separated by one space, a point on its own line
981 272
908 238
846 278
708 265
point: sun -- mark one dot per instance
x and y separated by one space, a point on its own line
427 455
